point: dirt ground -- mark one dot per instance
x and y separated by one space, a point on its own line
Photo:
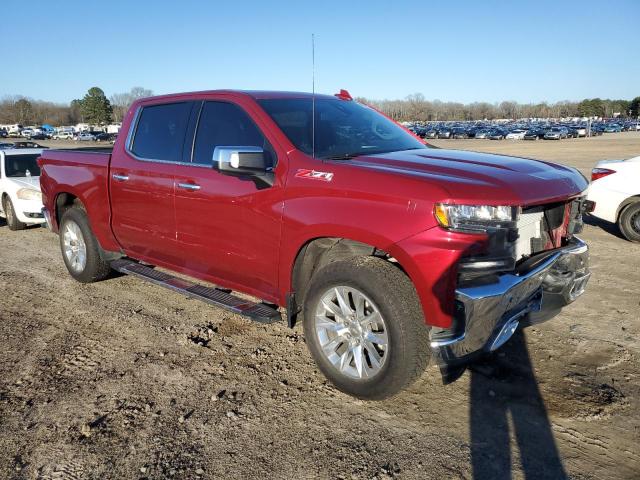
122 379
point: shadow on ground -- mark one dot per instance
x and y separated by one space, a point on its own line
610 228
506 407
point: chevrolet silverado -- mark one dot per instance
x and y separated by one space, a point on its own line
390 252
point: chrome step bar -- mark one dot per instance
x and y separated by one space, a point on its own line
258 312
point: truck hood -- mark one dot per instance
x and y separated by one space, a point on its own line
472 177
26 182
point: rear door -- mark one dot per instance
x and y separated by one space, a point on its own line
228 228
142 182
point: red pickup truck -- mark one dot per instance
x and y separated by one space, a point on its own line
390 251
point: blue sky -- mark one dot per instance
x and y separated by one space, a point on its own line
467 50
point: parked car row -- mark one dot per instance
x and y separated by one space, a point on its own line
33 133
518 130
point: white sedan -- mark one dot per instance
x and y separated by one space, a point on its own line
615 189
21 200
516 135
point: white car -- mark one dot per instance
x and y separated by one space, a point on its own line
516 135
615 189
63 135
21 200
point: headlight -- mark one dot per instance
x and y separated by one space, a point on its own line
475 217
29 194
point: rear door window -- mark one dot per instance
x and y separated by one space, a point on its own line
160 131
226 124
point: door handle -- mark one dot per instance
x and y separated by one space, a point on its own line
120 178
189 186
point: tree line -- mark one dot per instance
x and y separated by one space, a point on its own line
94 108
416 108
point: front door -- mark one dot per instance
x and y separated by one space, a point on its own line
228 228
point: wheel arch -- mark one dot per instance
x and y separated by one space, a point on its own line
319 252
625 203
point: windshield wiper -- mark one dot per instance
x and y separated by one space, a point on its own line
345 156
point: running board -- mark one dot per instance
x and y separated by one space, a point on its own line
258 312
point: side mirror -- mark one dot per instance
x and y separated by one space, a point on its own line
232 160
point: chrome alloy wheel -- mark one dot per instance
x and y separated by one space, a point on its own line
75 248
351 332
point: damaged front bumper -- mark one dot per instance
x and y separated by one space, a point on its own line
489 310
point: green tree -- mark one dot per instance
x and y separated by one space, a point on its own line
634 106
95 107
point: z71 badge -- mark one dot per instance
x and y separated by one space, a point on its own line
314 175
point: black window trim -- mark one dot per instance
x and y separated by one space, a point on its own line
199 105
242 109
134 129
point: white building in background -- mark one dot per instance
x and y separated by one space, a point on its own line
85 127
114 128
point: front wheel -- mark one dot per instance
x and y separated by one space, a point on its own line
80 249
365 328
629 222
10 214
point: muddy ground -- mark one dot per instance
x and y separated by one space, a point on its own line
122 379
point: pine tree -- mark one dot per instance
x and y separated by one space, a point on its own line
95 107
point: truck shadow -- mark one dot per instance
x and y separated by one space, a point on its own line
506 405
610 228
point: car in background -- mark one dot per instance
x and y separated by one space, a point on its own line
6 145
20 196
496 134
432 133
459 133
26 144
556 133
534 134
571 132
3 133
615 189
37 136
581 130
482 134
85 137
107 137
444 133
612 128
516 135
63 136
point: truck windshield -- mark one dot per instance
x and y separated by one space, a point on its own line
19 165
343 129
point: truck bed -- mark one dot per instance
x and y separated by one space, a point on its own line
81 173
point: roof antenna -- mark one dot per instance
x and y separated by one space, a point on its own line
313 95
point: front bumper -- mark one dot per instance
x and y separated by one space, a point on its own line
29 211
487 314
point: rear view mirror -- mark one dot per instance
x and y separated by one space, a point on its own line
241 160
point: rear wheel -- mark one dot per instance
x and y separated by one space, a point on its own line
10 214
365 328
80 249
629 222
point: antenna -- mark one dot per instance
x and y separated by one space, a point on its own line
313 95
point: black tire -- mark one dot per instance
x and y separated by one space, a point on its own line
395 297
629 222
94 269
10 215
